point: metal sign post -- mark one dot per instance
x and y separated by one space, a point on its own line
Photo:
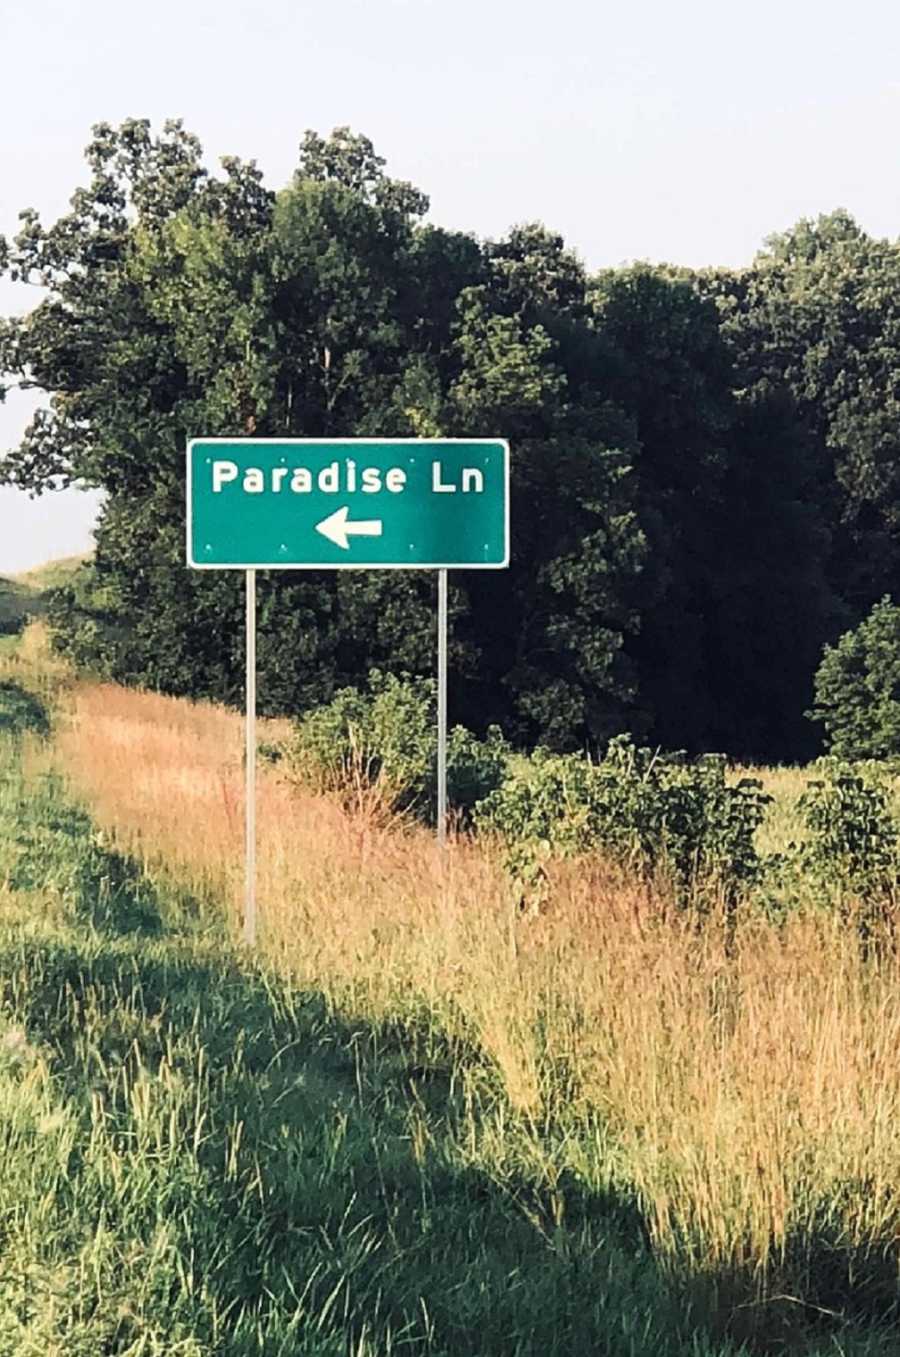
250 767
341 504
442 711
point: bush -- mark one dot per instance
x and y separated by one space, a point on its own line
857 688
380 747
853 836
654 814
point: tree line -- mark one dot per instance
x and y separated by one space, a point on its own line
704 462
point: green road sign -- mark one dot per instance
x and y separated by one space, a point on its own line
337 504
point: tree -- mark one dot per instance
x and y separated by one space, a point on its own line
704 473
182 302
553 633
857 688
670 372
769 606
819 314
173 305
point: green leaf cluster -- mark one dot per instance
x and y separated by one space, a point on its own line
857 688
661 816
380 744
853 847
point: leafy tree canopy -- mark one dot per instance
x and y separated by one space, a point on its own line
858 688
705 464
178 301
819 315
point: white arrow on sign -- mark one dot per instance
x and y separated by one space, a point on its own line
336 528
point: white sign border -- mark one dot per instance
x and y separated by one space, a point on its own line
347 565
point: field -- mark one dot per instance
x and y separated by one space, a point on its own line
414 1121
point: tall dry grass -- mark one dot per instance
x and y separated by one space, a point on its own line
750 1100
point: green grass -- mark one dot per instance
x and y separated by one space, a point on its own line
25 596
51 574
198 1161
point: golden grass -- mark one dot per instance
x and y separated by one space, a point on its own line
52 574
736 1095
784 824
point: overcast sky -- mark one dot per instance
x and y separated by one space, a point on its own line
653 130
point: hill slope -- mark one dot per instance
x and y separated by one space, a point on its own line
17 600
198 1158
51 574
24 595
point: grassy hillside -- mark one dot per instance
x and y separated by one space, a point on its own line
408 1123
52 574
199 1158
24 597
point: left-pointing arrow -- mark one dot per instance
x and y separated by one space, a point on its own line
337 529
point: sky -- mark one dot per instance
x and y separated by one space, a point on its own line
684 132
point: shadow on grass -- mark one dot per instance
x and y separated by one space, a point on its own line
348 1188
21 712
345 1186
58 849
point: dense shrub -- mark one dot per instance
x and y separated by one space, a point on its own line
656 814
853 835
857 688
380 747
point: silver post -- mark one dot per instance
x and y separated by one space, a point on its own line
250 767
442 711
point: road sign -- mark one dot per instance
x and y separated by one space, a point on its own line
337 504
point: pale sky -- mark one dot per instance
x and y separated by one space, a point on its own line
652 129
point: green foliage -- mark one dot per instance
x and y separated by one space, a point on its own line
198 1159
656 814
768 606
858 688
179 301
683 546
28 596
52 574
383 743
854 838
818 316
16 601
652 319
